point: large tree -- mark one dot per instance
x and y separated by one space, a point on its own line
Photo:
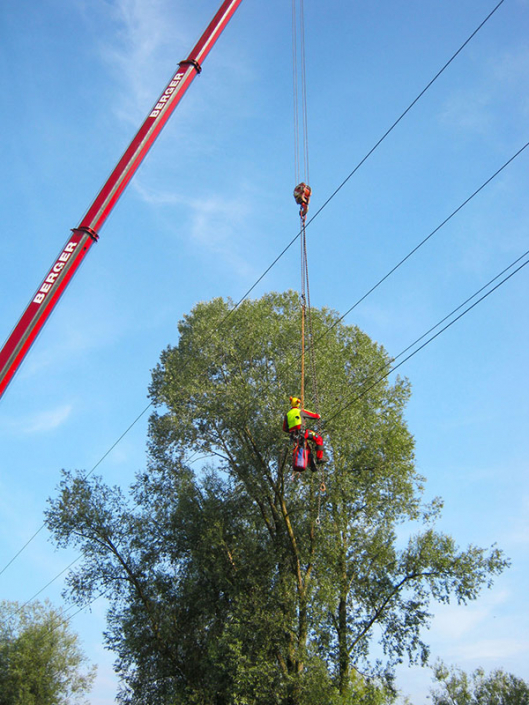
230 580
41 662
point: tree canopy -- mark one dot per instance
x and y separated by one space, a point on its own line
40 658
455 687
230 580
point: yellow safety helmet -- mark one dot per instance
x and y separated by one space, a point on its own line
295 402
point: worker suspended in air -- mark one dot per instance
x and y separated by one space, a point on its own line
302 194
293 424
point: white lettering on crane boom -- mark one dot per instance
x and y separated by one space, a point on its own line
55 271
167 94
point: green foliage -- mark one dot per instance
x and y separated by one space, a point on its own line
225 587
40 659
455 687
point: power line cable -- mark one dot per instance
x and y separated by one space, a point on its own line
119 439
318 340
424 241
383 376
430 330
315 342
373 149
446 220
22 549
48 584
79 556
433 337
485 286
58 617
84 607
283 252
410 106
85 477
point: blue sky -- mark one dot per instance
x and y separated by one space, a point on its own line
212 207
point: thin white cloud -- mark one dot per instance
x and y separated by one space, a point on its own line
215 219
469 111
160 198
69 340
498 102
217 224
513 67
47 420
143 30
41 422
455 622
492 649
220 225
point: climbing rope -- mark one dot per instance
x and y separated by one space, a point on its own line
308 309
302 194
314 377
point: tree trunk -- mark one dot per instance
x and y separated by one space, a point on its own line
343 651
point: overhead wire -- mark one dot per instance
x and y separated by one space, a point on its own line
433 337
464 303
370 152
446 220
423 242
34 536
59 617
383 374
287 247
329 329
17 554
48 584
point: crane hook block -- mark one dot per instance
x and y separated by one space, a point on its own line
302 194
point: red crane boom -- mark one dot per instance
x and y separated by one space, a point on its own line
84 236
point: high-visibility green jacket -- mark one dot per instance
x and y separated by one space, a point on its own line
294 417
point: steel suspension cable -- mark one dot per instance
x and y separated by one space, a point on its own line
303 308
302 190
304 92
314 378
301 142
295 92
302 194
